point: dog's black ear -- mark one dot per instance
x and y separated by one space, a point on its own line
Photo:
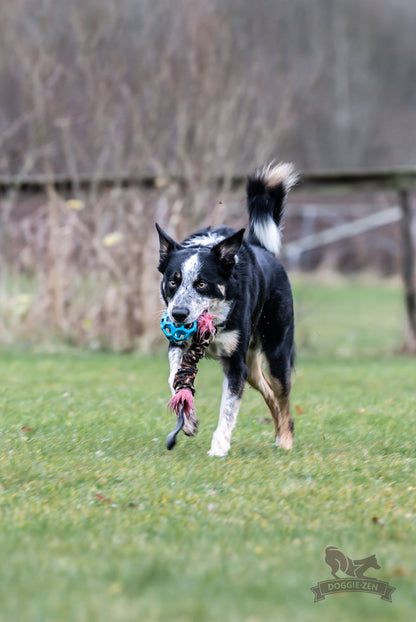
166 246
226 250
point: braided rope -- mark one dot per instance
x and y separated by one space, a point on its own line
183 382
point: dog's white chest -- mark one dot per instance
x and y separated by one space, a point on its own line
224 344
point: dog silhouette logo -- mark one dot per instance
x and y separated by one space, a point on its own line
338 562
355 579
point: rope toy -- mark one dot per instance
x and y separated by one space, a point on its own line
182 403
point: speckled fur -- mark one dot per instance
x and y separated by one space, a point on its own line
242 283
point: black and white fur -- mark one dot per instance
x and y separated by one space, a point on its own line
242 283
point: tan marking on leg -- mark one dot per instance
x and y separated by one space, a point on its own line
258 380
273 394
283 423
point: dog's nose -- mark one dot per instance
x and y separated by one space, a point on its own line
180 314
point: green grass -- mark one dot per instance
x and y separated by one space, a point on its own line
100 522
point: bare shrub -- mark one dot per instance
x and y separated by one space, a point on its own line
195 88
84 269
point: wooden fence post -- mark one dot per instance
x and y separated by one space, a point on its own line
408 268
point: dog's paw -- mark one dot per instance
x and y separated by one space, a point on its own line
285 440
189 430
220 446
218 453
190 426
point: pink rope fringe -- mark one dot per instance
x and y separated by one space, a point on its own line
183 398
205 324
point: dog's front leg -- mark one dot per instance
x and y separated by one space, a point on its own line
175 360
232 392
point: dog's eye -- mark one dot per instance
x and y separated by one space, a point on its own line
201 284
175 280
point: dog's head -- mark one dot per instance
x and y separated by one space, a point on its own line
196 277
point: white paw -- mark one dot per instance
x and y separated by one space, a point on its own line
219 453
219 446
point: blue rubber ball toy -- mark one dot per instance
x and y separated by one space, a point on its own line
177 332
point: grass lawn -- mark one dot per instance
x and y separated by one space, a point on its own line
100 522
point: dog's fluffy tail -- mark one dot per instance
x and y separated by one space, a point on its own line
267 189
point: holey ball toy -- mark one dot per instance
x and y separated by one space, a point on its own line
182 403
176 333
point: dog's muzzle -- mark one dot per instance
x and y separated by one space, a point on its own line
177 332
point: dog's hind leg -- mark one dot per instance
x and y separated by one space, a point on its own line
276 396
232 393
279 364
280 382
284 426
258 380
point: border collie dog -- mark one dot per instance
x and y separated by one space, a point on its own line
241 283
